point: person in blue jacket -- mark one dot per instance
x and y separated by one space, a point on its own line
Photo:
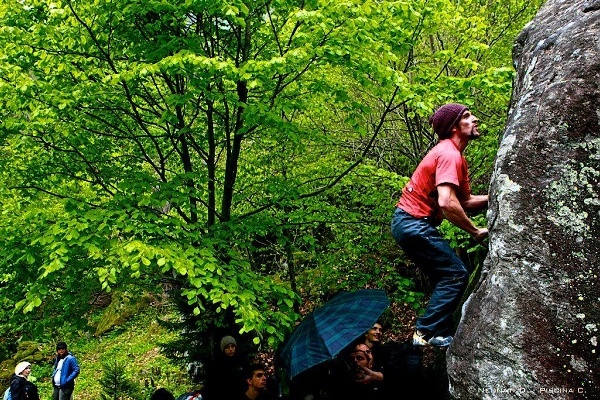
66 369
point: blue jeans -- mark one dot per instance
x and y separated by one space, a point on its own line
423 244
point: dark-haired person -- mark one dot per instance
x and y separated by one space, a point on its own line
374 335
20 386
357 379
162 394
373 338
256 381
440 188
66 369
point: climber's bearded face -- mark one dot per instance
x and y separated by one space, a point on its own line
468 125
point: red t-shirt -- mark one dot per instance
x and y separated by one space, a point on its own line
443 164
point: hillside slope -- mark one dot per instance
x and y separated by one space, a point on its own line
128 356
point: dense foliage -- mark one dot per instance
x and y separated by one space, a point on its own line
241 155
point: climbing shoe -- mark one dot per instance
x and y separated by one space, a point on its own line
440 341
421 339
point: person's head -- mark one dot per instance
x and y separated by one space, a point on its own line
454 118
61 349
23 369
373 335
162 394
228 346
195 394
361 355
256 377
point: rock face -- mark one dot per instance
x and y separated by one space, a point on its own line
530 330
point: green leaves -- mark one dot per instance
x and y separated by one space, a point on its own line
214 146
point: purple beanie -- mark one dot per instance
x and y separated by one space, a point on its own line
445 117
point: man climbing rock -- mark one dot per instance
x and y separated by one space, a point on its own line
440 188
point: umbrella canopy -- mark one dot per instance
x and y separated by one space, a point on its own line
331 327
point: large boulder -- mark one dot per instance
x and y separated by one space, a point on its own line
530 329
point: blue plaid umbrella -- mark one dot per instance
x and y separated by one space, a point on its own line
331 327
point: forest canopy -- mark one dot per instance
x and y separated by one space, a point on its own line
244 155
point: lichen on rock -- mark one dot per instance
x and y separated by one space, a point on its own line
531 326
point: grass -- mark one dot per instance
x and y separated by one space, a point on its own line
136 346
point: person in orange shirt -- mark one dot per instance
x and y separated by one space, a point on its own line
440 188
